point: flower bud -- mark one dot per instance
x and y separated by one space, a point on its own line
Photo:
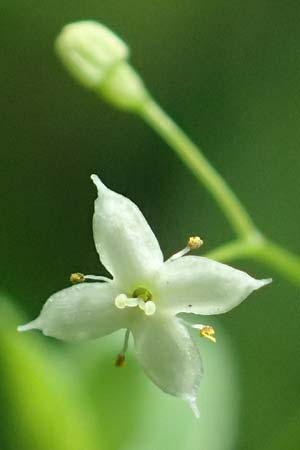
97 58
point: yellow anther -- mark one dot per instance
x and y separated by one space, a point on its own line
77 277
208 332
194 242
120 360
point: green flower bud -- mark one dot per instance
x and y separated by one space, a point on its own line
97 58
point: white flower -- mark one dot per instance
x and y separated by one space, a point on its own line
145 296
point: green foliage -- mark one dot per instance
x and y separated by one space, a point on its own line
44 407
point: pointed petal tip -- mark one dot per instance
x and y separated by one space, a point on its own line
192 402
98 183
33 325
264 282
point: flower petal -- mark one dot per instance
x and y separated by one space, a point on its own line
169 356
198 285
83 311
125 242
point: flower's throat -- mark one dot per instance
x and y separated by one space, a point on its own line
142 293
140 297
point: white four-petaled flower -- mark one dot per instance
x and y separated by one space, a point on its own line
144 297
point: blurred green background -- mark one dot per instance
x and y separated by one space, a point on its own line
229 73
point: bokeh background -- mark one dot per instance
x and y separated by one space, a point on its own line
228 71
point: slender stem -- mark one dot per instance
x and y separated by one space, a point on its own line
250 242
230 251
191 155
280 259
261 250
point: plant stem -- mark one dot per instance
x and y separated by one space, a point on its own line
263 250
250 242
238 249
194 159
280 259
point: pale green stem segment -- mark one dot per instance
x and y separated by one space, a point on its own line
250 243
238 249
191 155
267 252
280 259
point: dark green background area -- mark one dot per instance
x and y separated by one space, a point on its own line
228 72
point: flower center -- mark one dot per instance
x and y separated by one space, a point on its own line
140 297
142 293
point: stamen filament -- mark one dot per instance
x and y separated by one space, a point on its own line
141 304
132 302
126 340
179 254
78 277
96 277
194 242
120 359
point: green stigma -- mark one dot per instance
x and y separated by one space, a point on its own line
142 293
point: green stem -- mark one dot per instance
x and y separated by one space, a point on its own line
200 166
280 259
261 250
230 251
250 243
